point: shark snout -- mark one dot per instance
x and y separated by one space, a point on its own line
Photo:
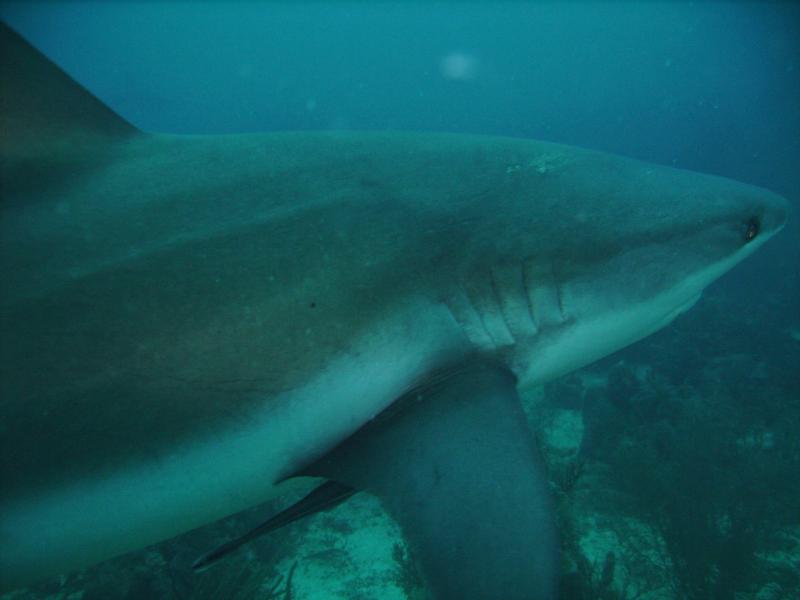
774 210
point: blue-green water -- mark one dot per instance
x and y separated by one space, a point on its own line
709 87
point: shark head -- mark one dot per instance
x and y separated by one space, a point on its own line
587 255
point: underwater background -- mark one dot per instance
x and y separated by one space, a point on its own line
676 462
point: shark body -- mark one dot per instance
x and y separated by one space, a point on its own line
189 320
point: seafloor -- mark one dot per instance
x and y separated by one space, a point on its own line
674 466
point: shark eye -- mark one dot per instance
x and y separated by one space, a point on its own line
752 228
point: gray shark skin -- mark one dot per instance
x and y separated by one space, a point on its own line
188 320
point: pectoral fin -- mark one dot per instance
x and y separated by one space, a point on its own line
457 467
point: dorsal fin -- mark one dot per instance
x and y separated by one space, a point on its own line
44 113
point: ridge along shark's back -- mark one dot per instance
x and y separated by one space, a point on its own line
191 319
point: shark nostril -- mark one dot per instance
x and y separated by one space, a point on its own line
752 227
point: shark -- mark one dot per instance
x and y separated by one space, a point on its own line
193 324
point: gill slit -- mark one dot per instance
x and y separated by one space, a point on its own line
499 307
559 292
526 293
